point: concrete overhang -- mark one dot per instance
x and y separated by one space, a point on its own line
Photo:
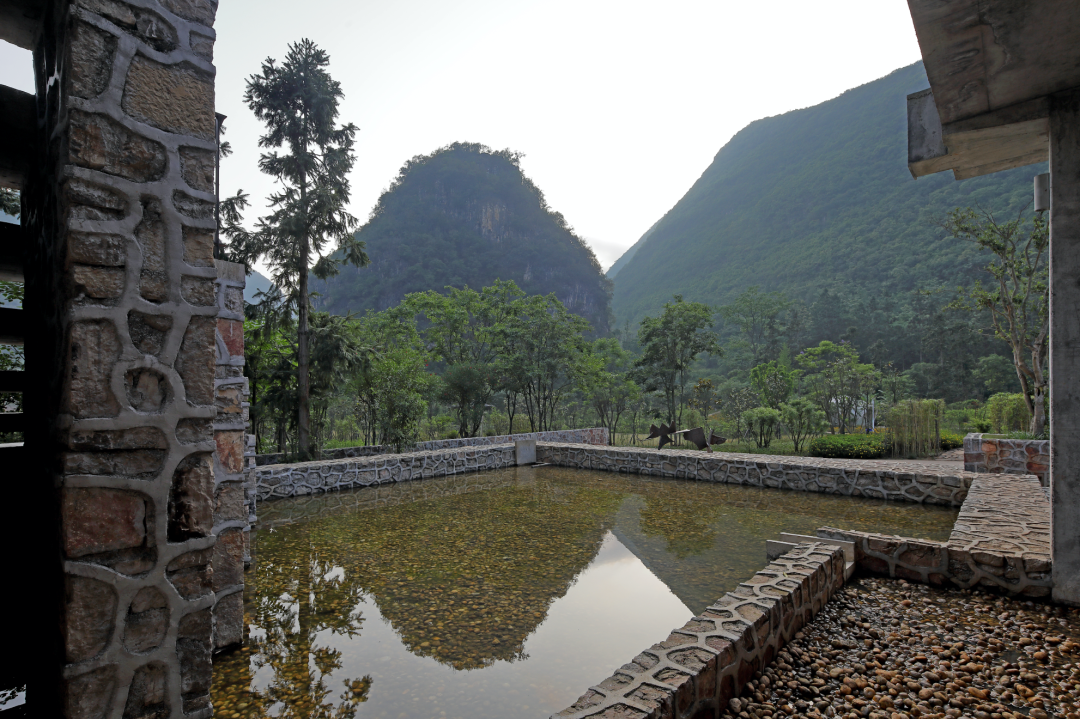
992 64
20 21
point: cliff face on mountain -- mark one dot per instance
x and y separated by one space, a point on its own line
466 216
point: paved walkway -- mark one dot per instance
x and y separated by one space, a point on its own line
1004 515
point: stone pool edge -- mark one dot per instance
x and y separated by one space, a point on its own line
702 665
809 474
844 477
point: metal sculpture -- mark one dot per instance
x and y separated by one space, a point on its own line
697 436
663 432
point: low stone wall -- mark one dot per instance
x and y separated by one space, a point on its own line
858 478
701 666
302 478
595 435
1001 540
1007 456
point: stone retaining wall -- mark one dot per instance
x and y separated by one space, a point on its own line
701 666
276 481
1007 456
595 435
857 478
1001 540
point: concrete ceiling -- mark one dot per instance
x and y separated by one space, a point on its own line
20 21
991 65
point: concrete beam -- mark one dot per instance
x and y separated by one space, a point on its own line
991 142
1065 346
985 55
20 22
17 132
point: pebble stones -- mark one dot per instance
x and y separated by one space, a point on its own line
886 649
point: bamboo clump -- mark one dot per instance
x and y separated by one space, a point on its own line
915 425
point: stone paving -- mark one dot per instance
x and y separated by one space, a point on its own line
1004 515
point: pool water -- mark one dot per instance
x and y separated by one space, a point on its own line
504 593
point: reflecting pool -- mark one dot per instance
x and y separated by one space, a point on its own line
498 594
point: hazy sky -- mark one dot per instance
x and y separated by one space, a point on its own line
618 106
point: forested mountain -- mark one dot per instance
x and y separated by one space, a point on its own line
818 203
466 215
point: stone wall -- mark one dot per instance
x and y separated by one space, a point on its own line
858 478
123 202
701 666
1001 540
983 453
595 435
231 493
276 481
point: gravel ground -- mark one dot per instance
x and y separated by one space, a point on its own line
887 649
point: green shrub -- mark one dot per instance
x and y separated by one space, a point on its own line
951 440
982 426
761 422
852 446
1008 413
452 434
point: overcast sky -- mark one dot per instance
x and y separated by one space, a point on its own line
618 105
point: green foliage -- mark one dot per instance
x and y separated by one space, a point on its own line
1007 413
951 440
544 355
10 202
670 344
464 328
466 215
915 426
1018 301
841 385
607 384
761 422
758 316
822 192
298 101
851 446
803 420
773 382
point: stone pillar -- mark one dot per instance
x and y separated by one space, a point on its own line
230 430
122 210
1065 344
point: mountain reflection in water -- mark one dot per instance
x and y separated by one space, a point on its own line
495 594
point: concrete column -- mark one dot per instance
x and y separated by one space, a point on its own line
1065 344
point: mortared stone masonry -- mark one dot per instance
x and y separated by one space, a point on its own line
139 343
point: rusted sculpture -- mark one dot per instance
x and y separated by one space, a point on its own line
695 435
663 432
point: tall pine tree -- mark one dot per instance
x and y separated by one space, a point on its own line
298 101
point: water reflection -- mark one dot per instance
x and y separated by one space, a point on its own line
507 592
